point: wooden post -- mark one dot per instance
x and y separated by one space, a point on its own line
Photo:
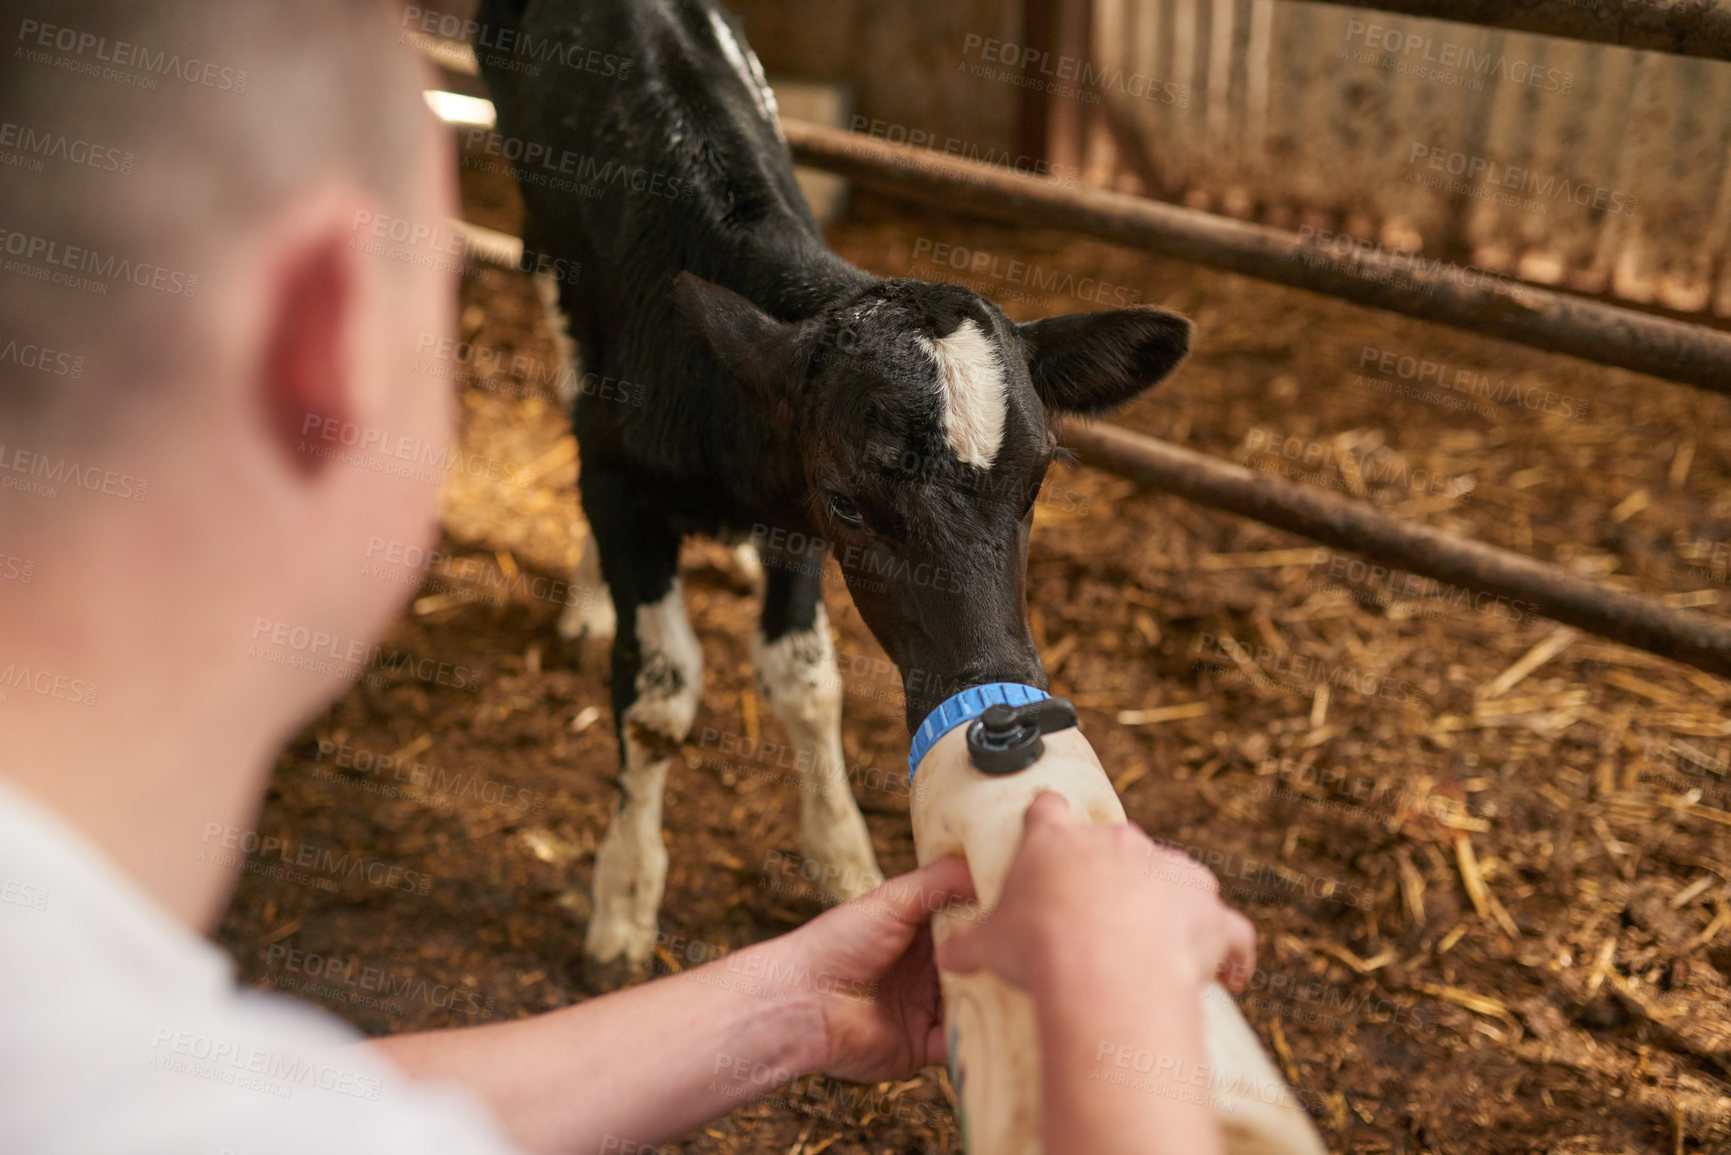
1058 46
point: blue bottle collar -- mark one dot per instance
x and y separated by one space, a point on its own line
963 707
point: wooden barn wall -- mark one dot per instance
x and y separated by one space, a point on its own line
903 59
1300 113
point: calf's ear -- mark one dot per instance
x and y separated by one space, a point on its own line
752 345
1088 363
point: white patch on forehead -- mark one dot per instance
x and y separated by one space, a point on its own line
971 381
745 62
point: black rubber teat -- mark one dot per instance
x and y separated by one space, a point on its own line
1006 739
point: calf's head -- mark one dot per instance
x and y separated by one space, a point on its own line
921 415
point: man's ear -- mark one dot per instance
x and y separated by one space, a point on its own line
756 348
308 379
1087 363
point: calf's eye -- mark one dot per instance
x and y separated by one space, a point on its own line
845 510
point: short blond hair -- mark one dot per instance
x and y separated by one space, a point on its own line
138 141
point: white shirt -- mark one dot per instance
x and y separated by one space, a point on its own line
123 1032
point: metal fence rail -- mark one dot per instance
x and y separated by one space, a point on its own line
1472 566
1442 291
1544 319
1695 639
1587 164
1681 27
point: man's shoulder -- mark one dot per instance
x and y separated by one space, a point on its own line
93 1070
125 1032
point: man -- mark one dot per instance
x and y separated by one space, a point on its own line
193 276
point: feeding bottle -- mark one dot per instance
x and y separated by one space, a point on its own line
977 762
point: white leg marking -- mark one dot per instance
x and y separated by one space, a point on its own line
798 677
590 612
631 866
669 682
570 372
747 564
971 382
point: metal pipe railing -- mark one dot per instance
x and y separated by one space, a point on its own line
1681 27
1472 566
1483 301
1488 303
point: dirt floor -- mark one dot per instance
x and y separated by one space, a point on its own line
1493 895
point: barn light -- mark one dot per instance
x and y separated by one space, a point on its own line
455 108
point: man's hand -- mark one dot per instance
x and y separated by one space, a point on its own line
872 976
1115 938
1083 901
852 993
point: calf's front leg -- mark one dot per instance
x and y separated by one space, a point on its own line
797 676
657 680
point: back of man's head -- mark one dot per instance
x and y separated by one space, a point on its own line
142 144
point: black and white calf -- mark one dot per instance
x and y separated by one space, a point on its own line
904 424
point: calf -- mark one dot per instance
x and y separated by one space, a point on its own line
786 396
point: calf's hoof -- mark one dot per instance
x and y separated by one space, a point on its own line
747 566
600 976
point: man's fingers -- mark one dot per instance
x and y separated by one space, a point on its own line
937 1047
1239 961
949 875
1047 809
962 951
917 895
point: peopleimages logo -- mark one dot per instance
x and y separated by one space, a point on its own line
422 567
400 455
315 975
859 563
1382 466
75 260
1395 583
534 161
233 842
1268 882
40 474
1268 666
41 359
952 146
306 648
1484 171
1447 61
401 776
36 145
486 363
39 39
1459 386
1407 268
47 684
495 45
431 246
242 1065
1068 76
1022 274
23 894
